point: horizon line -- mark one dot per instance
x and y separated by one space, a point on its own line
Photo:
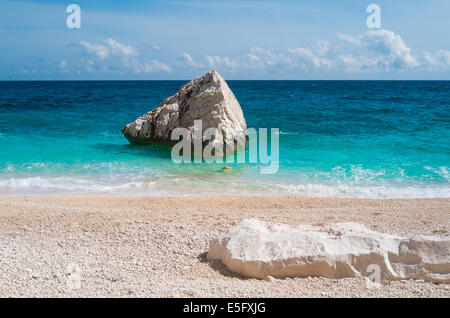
253 80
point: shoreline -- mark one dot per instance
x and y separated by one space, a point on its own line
247 192
155 246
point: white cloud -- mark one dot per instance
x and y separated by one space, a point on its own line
63 66
353 63
91 67
392 49
187 62
100 50
322 47
256 60
26 71
268 57
188 58
309 59
439 60
110 50
221 62
375 51
154 66
349 39
121 49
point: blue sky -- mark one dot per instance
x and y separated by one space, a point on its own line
242 39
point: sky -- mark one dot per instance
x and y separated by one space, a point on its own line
241 39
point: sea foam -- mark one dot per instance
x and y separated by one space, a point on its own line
48 185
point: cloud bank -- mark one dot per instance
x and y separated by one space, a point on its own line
374 52
112 56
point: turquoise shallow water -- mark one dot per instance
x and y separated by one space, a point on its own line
337 138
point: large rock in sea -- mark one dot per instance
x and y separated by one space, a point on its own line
207 98
259 249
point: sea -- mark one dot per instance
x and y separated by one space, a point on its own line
350 139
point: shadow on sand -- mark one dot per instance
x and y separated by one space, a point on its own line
219 267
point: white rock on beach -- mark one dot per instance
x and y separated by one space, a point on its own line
207 98
259 249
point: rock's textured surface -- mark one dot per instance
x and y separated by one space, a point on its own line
259 249
207 98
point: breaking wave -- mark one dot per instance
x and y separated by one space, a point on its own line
179 186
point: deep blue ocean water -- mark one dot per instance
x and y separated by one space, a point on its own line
337 138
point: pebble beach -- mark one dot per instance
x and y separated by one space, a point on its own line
97 245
